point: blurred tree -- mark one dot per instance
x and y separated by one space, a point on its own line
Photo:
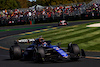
57 2
8 4
12 4
23 3
2 4
29 4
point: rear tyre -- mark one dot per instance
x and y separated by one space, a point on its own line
15 52
37 58
38 55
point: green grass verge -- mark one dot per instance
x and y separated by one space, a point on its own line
87 38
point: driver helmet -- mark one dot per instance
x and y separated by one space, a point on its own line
41 40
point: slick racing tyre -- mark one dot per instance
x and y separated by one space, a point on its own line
38 54
74 51
15 52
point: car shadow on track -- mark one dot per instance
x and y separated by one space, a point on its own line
52 62
47 62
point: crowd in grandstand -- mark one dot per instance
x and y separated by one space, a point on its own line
47 13
94 8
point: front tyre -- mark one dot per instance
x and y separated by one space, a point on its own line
74 51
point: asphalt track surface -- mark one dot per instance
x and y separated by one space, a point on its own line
7 38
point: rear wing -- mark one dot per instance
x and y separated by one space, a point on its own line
25 40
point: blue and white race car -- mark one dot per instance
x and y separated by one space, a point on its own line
41 50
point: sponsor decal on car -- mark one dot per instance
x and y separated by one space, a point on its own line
60 51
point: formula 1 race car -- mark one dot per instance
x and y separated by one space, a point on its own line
41 50
63 23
